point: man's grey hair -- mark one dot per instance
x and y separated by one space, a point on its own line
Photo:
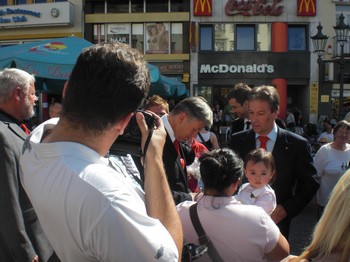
195 107
10 78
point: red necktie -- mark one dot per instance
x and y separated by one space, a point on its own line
177 147
25 129
263 141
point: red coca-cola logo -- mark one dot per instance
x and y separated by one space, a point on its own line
254 8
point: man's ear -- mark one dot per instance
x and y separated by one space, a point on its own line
17 92
246 104
123 123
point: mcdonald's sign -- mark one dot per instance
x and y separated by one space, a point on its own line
306 8
202 7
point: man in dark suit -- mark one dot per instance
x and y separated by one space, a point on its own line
294 185
238 100
21 235
184 121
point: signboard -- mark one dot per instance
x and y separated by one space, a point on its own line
254 7
119 33
252 65
306 8
157 35
34 15
202 7
313 98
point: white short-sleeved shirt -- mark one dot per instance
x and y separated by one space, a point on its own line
331 164
89 208
238 232
263 197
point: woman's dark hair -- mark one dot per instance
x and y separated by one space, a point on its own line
261 155
220 168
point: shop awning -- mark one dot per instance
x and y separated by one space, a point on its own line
51 62
53 58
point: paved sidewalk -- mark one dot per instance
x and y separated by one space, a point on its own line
302 227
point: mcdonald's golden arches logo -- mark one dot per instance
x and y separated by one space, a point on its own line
202 7
306 7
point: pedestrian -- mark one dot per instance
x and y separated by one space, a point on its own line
295 185
238 232
21 235
260 171
238 100
91 206
331 162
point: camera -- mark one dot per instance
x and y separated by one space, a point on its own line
130 141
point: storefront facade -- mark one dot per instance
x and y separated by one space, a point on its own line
259 43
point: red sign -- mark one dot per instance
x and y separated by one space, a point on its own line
253 8
202 7
306 7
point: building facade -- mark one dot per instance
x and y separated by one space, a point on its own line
259 42
158 28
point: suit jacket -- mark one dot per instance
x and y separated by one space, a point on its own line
294 184
177 176
237 125
21 235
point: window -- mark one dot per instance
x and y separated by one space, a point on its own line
230 37
156 6
206 38
94 7
118 33
176 38
137 38
136 6
223 37
157 38
245 37
345 9
177 6
20 2
297 38
263 35
118 6
99 33
3 2
39 1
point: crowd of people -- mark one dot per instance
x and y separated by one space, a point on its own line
66 197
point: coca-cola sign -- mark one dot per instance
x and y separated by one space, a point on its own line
254 7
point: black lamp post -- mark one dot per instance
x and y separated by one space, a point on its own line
342 33
319 42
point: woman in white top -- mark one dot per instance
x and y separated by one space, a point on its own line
238 232
331 162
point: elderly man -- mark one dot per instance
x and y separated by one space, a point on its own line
21 236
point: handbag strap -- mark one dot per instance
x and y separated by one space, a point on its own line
202 236
203 141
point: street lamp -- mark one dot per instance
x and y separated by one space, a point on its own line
342 33
319 42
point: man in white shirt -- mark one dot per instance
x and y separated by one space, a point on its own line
91 206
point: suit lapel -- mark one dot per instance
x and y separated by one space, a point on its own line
174 153
17 130
282 144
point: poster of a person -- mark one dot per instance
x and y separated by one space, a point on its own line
158 38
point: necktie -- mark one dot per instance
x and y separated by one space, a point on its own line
263 141
177 147
25 129
247 125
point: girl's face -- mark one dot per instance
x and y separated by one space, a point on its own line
258 174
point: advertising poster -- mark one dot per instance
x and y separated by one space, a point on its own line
119 33
157 35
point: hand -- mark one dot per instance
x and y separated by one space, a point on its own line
35 259
157 141
278 214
